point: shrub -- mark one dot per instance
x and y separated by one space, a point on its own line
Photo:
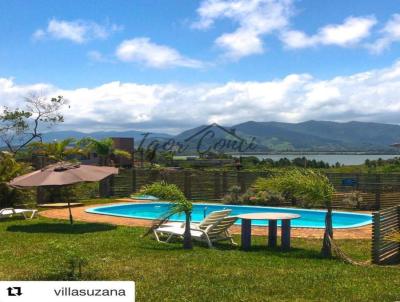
273 197
233 195
163 191
308 187
353 199
265 197
252 197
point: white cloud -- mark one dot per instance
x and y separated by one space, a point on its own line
142 50
77 31
11 94
255 18
367 96
351 32
97 56
389 34
240 44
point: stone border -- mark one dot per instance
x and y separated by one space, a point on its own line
79 214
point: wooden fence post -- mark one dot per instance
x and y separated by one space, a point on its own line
187 184
377 192
111 186
106 187
217 185
358 182
224 183
240 182
134 187
375 237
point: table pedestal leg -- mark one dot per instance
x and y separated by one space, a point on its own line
285 234
272 233
246 234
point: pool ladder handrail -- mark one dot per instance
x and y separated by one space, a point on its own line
206 208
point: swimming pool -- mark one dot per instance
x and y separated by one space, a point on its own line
308 219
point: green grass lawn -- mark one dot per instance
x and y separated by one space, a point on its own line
41 249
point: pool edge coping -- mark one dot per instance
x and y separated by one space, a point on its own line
353 226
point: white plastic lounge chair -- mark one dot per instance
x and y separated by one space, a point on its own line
217 231
209 219
11 212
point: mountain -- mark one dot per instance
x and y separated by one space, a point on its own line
216 138
323 135
137 135
280 136
268 136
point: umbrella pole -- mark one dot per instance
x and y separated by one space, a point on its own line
71 220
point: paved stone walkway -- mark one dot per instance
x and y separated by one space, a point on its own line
79 214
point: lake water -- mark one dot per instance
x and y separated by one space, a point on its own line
344 159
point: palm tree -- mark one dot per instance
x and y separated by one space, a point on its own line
180 205
309 187
56 150
104 148
184 206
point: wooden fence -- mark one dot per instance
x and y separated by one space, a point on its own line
384 223
378 190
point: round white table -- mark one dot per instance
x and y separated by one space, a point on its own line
272 228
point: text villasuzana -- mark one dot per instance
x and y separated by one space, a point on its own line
82 292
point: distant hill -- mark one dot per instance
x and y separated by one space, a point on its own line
273 136
137 135
280 136
323 135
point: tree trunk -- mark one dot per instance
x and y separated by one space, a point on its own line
187 238
326 250
71 220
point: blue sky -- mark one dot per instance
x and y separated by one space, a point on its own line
269 59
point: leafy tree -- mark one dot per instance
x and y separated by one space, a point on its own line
104 149
57 150
9 169
180 205
311 187
166 157
19 127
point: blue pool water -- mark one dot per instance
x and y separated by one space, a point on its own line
308 219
